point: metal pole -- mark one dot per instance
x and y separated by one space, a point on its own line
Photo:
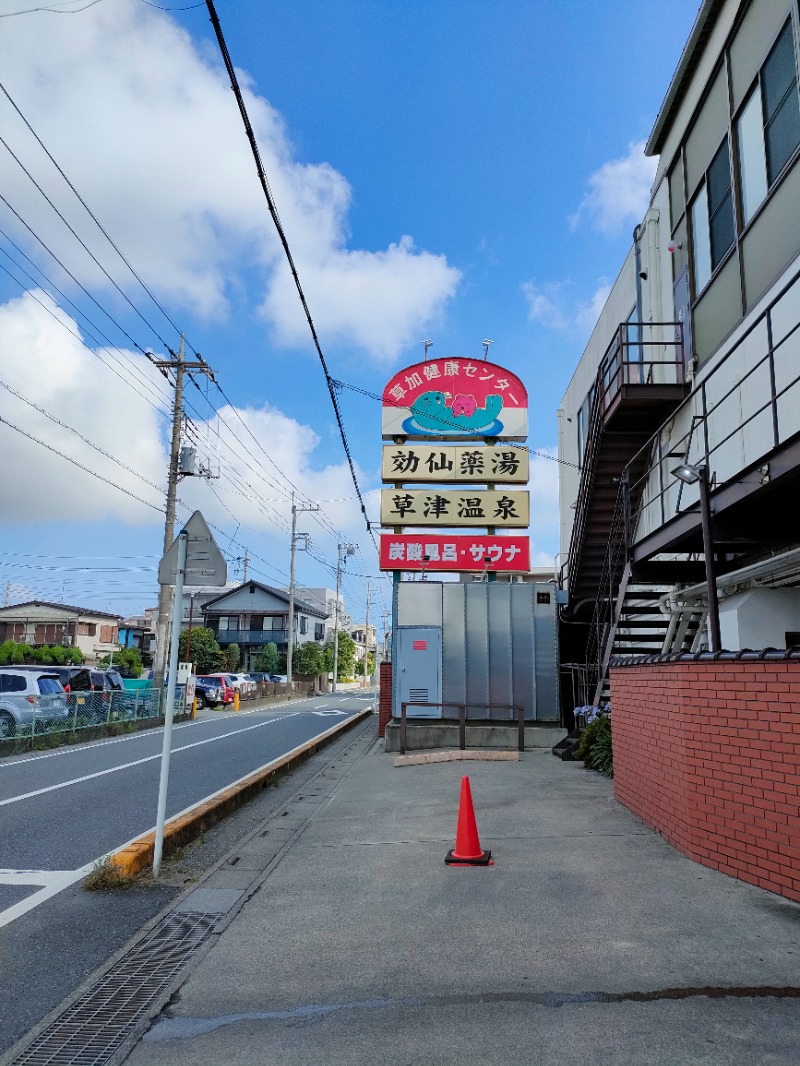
166 749
714 641
366 640
336 614
165 591
290 634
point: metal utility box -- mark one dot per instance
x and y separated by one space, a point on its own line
419 656
497 648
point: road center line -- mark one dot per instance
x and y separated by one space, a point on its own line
138 762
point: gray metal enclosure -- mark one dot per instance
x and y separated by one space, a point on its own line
498 644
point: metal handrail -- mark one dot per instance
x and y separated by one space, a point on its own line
698 398
612 374
462 720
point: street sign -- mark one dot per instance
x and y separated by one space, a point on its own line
428 552
455 463
205 564
450 508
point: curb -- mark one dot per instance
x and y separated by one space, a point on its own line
187 825
474 755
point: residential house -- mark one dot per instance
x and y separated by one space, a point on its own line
94 633
253 615
692 367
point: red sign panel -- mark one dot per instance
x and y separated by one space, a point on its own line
453 399
431 551
420 645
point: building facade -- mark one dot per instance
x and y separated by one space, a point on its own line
94 633
693 367
254 615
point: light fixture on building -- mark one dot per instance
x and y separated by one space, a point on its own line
698 475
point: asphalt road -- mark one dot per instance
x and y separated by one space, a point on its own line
63 810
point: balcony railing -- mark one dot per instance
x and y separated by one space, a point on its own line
253 636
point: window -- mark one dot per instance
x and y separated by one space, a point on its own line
12 683
225 622
583 422
303 624
712 218
769 124
319 631
107 634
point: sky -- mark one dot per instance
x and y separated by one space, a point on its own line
450 170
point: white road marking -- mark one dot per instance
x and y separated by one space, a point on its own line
32 877
58 880
90 745
138 762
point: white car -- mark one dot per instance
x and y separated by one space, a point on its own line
32 699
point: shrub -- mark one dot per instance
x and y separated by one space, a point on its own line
595 746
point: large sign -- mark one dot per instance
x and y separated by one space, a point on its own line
451 462
455 507
436 551
455 398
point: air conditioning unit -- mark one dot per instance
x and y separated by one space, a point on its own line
67 642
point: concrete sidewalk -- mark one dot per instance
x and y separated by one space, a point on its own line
589 941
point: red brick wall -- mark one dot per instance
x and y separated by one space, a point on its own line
708 753
385 701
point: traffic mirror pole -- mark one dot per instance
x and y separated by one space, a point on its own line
166 750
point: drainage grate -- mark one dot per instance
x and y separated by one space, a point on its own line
91 1030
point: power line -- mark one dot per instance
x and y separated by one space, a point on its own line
96 447
89 210
80 466
101 347
285 244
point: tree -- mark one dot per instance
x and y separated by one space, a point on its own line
14 654
127 660
204 650
308 658
346 659
267 659
233 657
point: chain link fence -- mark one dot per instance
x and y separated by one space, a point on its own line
29 717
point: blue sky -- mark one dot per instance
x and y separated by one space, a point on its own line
446 170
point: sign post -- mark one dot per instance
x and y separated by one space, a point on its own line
193 559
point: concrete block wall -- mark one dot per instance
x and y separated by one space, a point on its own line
707 752
385 699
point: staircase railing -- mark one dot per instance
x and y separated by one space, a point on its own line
623 363
607 604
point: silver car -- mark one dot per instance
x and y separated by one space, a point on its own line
32 700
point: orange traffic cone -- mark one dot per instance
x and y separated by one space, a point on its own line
468 851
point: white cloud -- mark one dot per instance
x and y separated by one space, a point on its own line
147 128
589 312
44 363
619 192
546 304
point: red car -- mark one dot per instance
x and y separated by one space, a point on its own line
221 682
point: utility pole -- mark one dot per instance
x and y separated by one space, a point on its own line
245 564
386 614
366 638
179 366
348 549
290 633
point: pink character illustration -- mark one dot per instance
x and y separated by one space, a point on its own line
464 405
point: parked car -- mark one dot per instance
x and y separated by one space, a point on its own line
220 681
237 683
209 691
281 678
245 684
28 693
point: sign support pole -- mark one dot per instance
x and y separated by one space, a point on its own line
166 750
